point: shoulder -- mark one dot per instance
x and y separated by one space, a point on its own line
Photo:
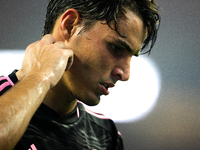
104 124
99 120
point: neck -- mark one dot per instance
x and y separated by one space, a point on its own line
60 99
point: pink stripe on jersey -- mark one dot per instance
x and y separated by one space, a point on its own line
78 113
119 133
4 85
10 81
33 147
96 114
3 78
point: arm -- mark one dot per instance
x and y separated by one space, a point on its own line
44 64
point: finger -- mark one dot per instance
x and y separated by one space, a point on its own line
70 59
49 39
60 44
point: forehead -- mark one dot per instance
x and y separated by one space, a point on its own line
132 27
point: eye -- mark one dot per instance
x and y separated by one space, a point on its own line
116 49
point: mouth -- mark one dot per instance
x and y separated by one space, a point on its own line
105 85
104 88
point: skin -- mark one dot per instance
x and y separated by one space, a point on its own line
48 75
37 75
94 58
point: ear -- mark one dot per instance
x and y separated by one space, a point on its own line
69 21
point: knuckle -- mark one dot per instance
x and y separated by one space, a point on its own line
31 46
60 44
41 43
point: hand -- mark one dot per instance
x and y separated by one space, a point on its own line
48 59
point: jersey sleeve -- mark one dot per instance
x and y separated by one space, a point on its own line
6 82
120 145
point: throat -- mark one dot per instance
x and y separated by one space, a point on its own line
61 101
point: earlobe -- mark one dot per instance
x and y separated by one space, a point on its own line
69 21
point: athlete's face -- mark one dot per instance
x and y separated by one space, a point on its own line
102 57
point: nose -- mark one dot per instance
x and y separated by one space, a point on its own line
122 70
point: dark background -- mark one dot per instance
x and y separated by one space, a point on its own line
174 122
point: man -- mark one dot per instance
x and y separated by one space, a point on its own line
87 47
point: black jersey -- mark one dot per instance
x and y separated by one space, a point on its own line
79 130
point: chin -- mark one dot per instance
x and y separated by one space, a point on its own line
91 102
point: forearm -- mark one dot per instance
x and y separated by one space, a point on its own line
43 66
17 106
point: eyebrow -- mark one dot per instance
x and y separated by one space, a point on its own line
127 47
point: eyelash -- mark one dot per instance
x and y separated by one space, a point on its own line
117 50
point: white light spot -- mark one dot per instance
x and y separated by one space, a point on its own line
10 60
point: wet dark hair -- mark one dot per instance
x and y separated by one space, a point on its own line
108 10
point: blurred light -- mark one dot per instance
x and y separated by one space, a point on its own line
10 60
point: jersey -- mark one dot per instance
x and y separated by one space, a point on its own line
81 129
7 82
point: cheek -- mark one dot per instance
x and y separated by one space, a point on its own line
94 66
92 57
100 61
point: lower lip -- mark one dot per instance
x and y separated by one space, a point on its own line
104 90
